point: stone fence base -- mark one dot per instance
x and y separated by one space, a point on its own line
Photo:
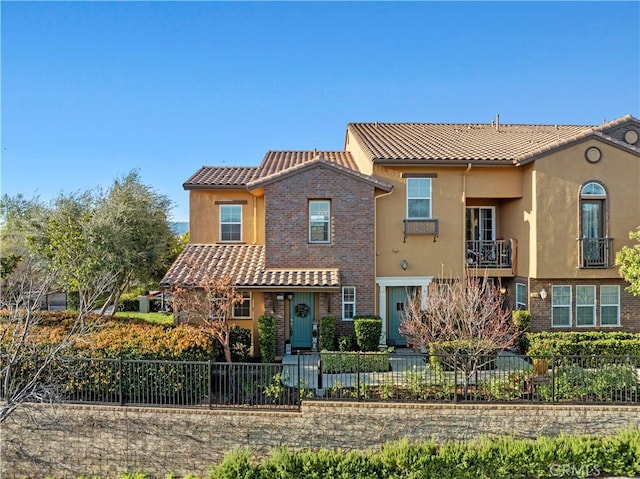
68 441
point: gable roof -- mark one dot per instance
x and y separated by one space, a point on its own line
245 264
451 143
274 166
323 163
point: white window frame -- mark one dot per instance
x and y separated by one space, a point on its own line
617 304
222 240
246 298
555 306
348 300
428 197
317 220
580 306
521 292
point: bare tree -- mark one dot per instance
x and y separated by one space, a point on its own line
28 366
463 320
209 303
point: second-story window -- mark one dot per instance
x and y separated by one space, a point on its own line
231 223
319 221
418 198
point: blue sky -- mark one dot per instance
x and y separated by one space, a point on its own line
92 90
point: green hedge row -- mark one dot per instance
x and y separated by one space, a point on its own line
348 362
491 458
592 343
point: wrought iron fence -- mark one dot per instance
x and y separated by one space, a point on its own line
384 376
500 377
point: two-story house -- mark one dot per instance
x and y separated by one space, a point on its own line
296 234
541 209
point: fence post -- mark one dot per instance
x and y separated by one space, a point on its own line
455 377
358 375
553 378
299 383
120 385
319 371
210 383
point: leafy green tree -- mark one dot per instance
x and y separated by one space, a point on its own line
132 228
628 259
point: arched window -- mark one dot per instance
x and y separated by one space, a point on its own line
595 244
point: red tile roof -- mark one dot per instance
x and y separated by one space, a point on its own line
449 142
246 266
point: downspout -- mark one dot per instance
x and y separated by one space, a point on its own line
255 220
464 214
383 336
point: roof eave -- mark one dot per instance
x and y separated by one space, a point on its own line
212 186
442 162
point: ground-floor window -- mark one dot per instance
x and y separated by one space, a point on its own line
594 305
561 306
243 310
348 302
610 305
585 305
521 296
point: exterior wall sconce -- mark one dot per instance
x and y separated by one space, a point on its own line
289 296
503 290
543 294
404 264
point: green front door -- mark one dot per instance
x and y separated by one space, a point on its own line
301 314
396 304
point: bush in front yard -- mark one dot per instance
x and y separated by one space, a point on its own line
328 332
267 334
591 343
347 362
368 331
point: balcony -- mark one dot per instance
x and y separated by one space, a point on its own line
493 254
421 227
595 253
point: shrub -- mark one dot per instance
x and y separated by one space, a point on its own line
497 458
334 362
129 305
368 331
328 332
522 321
591 343
267 334
345 343
240 343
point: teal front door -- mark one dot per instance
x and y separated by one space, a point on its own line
301 324
397 300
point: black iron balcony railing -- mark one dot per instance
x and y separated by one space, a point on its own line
596 252
489 254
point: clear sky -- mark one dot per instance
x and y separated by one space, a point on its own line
92 90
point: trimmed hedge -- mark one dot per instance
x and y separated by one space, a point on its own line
328 332
347 362
368 331
496 458
267 335
591 343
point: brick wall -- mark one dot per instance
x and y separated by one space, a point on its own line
71 441
541 309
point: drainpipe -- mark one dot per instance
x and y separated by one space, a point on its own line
464 212
381 313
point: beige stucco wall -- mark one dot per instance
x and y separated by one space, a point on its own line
556 183
204 215
452 190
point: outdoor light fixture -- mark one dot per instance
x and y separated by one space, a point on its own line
543 294
503 290
289 296
404 264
